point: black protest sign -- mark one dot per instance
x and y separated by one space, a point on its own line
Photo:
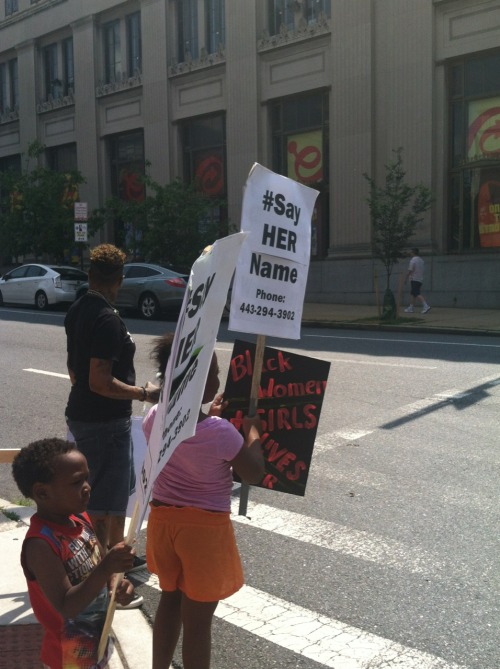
291 393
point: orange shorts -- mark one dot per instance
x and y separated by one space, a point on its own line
194 551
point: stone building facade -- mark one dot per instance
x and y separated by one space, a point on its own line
321 90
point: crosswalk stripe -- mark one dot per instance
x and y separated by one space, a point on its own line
335 537
319 638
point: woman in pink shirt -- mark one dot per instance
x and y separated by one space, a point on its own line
190 538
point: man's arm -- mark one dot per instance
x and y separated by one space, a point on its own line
102 382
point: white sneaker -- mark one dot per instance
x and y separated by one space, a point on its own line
426 309
134 604
409 310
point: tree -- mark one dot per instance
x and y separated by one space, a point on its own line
37 209
396 208
171 225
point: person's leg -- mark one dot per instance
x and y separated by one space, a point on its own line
166 629
197 633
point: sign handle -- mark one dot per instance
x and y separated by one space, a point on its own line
252 409
112 603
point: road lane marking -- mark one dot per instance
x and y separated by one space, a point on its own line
352 435
324 640
338 538
43 371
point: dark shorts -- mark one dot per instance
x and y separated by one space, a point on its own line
415 288
109 451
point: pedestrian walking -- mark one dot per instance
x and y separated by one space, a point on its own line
416 277
101 369
67 573
190 538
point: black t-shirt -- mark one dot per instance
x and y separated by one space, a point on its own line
95 330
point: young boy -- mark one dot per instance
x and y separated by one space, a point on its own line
67 578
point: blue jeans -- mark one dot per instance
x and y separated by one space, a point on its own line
109 451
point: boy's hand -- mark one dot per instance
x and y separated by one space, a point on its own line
119 559
218 405
124 592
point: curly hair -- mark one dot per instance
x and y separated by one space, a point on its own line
161 352
35 463
106 263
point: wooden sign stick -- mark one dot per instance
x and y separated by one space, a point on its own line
112 603
252 409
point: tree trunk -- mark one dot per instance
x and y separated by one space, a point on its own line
389 310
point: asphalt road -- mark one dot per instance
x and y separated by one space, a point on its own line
391 558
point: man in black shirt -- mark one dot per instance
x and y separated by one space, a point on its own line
101 368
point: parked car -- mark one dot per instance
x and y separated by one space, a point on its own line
41 285
149 289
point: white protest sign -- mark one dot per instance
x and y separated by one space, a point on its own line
271 273
189 361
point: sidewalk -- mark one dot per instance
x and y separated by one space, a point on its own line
445 320
20 633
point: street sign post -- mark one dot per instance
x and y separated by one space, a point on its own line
81 214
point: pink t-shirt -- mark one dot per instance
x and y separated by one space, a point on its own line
199 473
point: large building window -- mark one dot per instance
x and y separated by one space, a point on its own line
134 48
292 14
300 151
126 154
122 48
53 84
474 202
187 22
200 28
11 6
216 25
9 86
58 69
112 52
4 99
204 154
13 83
68 72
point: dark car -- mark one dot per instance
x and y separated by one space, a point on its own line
149 289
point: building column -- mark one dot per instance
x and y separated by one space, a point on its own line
154 89
242 133
87 130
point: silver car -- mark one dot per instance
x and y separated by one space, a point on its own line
41 285
149 289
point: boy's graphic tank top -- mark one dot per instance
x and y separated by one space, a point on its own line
69 643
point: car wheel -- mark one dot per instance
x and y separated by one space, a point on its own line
1 299
149 307
41 301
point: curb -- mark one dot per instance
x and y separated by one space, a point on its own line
382 327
